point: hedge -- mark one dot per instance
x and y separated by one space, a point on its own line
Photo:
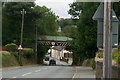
27 52
11 47
8 59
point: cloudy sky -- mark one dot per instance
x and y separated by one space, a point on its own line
59 7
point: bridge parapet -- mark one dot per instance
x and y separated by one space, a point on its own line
58 40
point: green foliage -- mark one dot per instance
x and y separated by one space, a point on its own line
99 55
70 31
11 47
84 45
15 54
46 23
65 22
42 50
11 20
28 61
90 63
93 64
115 55
36 16
8 59
5 53
27 52
11 59
75 9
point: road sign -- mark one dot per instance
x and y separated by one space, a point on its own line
99 16
20 47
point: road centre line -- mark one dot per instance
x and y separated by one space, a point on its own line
38 70
27 74
14 77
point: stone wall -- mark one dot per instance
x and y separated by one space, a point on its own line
99 71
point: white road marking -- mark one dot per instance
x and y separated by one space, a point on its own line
14 77
38 70
74 74
27 74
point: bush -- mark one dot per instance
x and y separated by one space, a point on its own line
4 52
99 55
90 63
41 53
15 54
11 47
27 52
8 59
93 64
115 55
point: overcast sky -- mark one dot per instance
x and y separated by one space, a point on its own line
59 7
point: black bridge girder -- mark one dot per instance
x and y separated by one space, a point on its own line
57 43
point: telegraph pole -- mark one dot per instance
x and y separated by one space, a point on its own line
23 12
21 37
107 59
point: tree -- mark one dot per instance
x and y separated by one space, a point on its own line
84 45
75 9
65 22
12 21
69 31
36 16
42 50
47 22
85 42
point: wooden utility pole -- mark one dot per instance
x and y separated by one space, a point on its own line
23 12
107 63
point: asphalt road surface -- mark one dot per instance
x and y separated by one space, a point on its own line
40 72
37 71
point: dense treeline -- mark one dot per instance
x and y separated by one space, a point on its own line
84 44
36 16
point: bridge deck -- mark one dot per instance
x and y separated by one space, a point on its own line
57 40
